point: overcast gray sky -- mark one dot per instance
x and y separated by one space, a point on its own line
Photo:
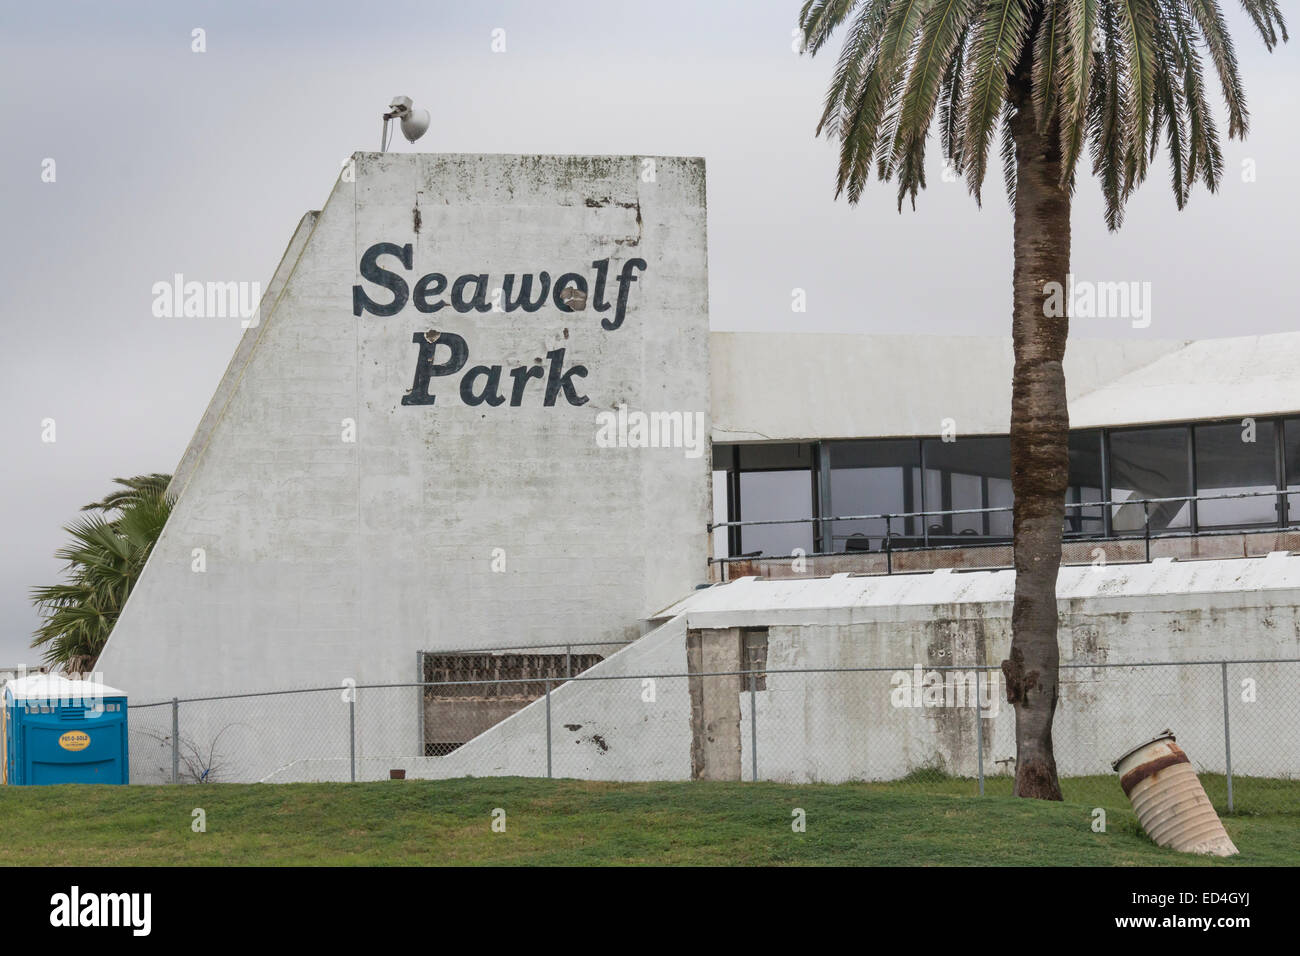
172 161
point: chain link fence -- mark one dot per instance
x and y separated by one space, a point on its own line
943 729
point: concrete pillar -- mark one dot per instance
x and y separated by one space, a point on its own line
715 703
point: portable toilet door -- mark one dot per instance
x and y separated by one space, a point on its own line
64 731
4 739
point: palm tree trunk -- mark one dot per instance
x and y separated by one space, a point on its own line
1039 443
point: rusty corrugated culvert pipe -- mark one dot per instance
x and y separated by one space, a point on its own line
1169 800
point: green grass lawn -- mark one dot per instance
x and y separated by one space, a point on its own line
1252 795
569 822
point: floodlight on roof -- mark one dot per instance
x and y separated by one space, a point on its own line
415 122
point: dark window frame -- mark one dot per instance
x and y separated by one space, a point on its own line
1076 516
819 459
1277 422
735 536
1188 430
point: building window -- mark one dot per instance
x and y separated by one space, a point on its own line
1232 459
776 495
1086 485
869 478
1000 496
1291 468
721 492
792 482
965 474
765 483
1150 463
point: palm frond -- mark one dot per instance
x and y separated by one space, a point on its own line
942 30
1009 154
1106 121
132 490
1076 81
104 558
1205 157
819 19
1170 105
1209 17
1134 21
868 117
1268 20
950 119
857 59
1000 38
1049 47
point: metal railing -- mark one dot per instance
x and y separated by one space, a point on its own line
980 540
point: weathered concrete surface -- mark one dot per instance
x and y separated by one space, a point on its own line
330 559
855 725
441 525
1161 584
614 728
832 726
455 721
715 703
1207 379
816 386
848 725
243 352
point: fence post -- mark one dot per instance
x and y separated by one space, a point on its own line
1146 527
548 730
352 734
979 731
176 730
889 552
568 672
1227 737
419 701
753 725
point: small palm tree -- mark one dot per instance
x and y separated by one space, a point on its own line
1120 76
104 560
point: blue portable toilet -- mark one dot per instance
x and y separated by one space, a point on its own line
58 730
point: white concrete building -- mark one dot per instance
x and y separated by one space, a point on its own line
481 408
372 480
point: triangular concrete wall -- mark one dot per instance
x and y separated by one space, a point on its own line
327 559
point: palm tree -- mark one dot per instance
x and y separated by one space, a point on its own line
104 560
1120 75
